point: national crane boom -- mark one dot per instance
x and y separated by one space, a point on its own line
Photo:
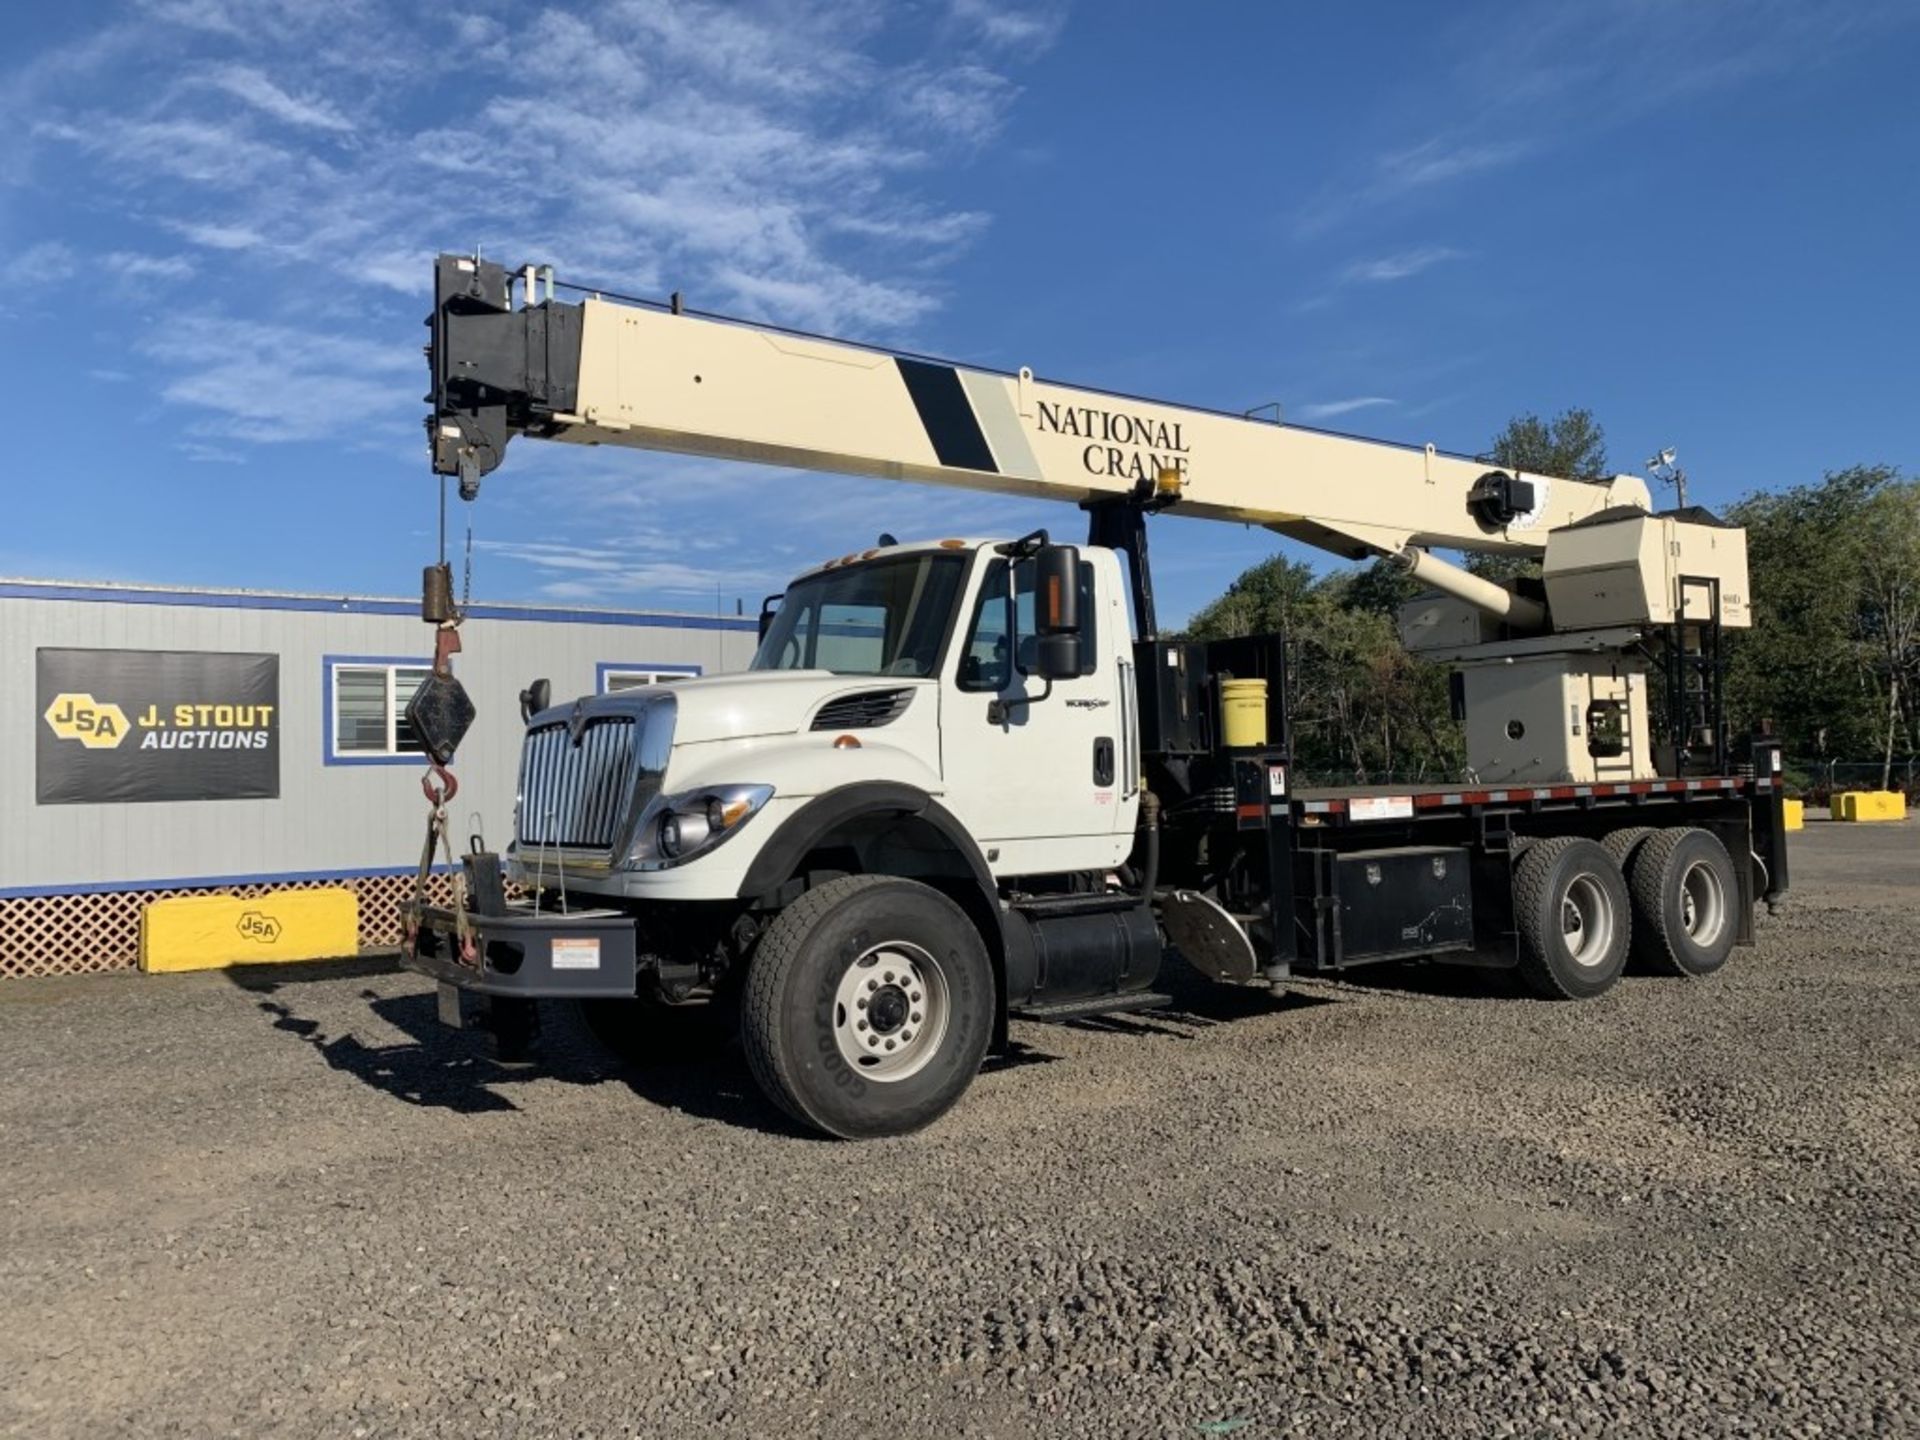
964 780
603 372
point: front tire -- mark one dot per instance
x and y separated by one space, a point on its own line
1571 908
869 1007
1684 891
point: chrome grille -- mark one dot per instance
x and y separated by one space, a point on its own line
575 795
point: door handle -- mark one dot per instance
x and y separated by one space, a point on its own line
1103 760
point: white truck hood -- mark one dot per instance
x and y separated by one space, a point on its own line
767 702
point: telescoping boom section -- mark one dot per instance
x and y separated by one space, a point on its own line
606 372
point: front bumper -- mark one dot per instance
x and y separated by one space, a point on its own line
524 954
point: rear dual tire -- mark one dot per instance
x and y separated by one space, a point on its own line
1684 892
1572 910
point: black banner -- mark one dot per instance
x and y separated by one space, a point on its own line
120 725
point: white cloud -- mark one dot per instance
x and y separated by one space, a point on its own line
966 103
244 82
623 527
1328 409
760 155
202 452
217 154
46 262
1432 162
785 159
132 266
1401 266
269 383
1511 92
1029 28
219 237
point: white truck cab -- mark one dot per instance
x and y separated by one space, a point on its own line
912 665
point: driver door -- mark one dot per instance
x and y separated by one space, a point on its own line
1034 772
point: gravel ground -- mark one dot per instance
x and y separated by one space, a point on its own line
292 1206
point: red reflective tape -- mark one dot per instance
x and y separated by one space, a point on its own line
1428 802
1250 812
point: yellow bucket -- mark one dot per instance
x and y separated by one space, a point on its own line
1243 712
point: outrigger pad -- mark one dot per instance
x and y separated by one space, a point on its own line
440 714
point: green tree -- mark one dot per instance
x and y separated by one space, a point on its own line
1571 445
1361 707
1889 620
1830 656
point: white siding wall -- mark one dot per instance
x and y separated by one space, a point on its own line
332 818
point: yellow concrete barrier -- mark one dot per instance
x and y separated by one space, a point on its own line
1796 814
209 932
1866 805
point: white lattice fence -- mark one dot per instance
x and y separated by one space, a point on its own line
77 934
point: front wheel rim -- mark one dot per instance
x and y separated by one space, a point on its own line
1703 904
890 1011
1586 922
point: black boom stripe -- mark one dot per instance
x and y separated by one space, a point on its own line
948 418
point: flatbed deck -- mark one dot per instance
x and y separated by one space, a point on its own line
1401 802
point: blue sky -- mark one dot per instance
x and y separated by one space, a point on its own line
1409 220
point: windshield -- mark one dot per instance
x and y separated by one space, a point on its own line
886 617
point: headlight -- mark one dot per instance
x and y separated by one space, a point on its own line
679 827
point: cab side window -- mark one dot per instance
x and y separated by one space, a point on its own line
1001 639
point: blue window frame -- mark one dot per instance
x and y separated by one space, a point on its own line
363 698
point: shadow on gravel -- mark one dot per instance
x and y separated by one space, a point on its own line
1199 1002
1462 982
269 978
457 1070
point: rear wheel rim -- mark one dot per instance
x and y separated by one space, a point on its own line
890 1011
1586 922
1703 904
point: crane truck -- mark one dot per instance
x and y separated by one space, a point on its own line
969 779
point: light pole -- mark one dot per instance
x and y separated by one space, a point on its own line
1663 468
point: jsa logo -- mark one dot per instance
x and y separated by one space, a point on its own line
255 925
96 724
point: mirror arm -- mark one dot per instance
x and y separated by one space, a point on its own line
999 710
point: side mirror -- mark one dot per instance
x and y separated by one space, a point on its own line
769 607
1056 612
535 698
